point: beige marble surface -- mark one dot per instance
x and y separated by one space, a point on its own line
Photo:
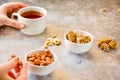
64 15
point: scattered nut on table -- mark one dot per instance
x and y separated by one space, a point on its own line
51 41
105 47
118 10
105 9
56 41
54 36
107 43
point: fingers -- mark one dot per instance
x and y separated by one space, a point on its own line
24 69
14 5
13 23
8 77
10 64
23 72
11 6
11 75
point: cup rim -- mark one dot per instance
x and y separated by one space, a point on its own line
83 31
55 58
33 7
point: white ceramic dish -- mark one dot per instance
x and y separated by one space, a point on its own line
78 48
41 70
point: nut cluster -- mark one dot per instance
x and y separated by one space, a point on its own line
40 59
107 43
51 41
105 9
78 37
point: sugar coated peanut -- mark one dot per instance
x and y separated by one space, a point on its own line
41 59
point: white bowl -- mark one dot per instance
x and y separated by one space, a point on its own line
76 47
41 70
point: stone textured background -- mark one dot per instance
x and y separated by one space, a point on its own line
64 15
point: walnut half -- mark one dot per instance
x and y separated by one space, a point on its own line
107 43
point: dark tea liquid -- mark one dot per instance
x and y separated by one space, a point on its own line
31 14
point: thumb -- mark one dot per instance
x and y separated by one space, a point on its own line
23 73
24 69
10 64
13 23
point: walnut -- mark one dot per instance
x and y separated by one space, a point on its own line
112 44
107 40
87 39
78 37
107 43
105 47
71 36
99 42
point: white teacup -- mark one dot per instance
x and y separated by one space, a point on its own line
33 25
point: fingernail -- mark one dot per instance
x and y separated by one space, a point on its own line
21 26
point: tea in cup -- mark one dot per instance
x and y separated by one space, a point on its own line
33 18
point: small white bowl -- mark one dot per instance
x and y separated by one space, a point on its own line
76 47
41 70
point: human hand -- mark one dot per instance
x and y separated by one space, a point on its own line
6 73
5 12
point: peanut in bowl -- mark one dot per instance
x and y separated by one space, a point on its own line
78 41
41 61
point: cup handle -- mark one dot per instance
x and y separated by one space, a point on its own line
14 16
